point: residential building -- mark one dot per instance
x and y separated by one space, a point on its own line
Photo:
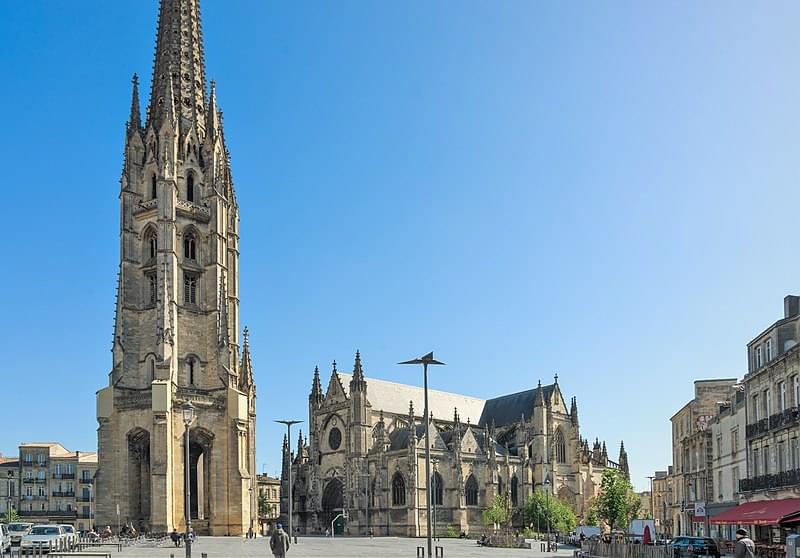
692 455
177 336
662 501
49 474
269 489
729 462
9 484
366 454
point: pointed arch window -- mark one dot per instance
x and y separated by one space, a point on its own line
153 187
152 288
150 246
560 447
190 187
190 368
398 490
471 491
190 246
514 491
189 289
152 371
437 489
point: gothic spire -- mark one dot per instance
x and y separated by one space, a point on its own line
135 119
539 397
213 118
358 383
573 411
316 388
179 64
246 369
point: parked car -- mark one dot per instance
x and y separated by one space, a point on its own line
70 536
5 539
17 530
51 537
687 547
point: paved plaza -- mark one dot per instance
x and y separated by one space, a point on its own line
320 547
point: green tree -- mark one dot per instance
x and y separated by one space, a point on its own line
497 513
544 511
263 506
617 502
11 516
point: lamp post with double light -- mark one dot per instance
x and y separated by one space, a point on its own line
188 418
289 424
425 361
547 507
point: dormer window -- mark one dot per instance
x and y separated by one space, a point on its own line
769 350
759 357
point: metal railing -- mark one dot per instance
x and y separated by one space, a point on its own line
777 480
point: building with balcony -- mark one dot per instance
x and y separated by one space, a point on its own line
729 462
9 484
692 455
772 388
55 484
269 493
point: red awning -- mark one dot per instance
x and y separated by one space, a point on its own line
768 512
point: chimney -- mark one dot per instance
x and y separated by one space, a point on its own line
791 306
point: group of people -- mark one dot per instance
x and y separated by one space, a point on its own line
178 538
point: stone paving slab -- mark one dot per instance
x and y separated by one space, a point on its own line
346 547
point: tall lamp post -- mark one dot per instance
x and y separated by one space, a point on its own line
425 361
547 507
435 488
188 418
652 502
8 503
289 424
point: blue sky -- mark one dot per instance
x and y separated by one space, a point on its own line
603 190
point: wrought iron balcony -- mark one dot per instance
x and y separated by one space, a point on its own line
784 419
84 499
63 475
766 482
84 480
62 494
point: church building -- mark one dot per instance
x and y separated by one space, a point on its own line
365 455
176 329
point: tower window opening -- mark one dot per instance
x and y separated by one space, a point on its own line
190 187
189 289
151 288
153 190
191 371
189 247
152 365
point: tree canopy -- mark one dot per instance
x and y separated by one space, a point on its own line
545 511
617 503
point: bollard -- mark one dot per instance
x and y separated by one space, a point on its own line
420 552
171 555
439 550
203 555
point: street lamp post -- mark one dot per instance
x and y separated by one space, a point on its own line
188 418
425 361
8 503
547 507
289 424
652 501
435 487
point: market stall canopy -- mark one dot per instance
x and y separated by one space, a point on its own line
768 512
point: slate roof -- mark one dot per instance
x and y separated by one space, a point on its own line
392 397
509 408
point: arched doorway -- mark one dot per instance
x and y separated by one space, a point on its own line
333 504
139 476
200 443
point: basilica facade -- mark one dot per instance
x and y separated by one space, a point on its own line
365 456
176 330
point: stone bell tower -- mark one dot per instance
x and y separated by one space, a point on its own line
176 329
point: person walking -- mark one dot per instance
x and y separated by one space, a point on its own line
745 547
279 542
